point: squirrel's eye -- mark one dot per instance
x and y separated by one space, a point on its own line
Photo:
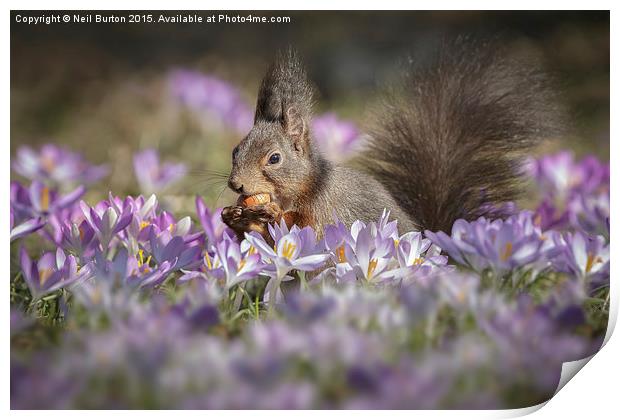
275 158
234 152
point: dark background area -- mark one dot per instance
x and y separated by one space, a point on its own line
98 86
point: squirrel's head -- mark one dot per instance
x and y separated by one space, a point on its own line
277 156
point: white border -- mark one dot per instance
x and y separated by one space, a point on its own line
591 395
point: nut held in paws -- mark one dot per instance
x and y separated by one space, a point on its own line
254 200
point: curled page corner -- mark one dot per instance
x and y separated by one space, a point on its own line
570 369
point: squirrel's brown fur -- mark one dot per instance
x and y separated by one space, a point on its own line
448 143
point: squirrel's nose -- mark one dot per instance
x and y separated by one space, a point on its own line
235 186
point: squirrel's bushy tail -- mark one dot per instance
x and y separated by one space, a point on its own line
450 139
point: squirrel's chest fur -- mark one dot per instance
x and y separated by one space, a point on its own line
351 195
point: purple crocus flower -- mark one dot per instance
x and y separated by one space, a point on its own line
143 208
370 256
79 239
501 245
166 222
141 229
547 216
153 175
366 251
560 176
173 250
590 213
555 174
587 258
228 265
212 98
297 250
111 288
54 165
126 271
336 138
106 221
143 212
419 254
40 201
237 266
51 272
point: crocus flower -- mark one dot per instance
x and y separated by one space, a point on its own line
229 265
132 270
56 166
587 258
419 254
237 266
153 175
166 222
40 201
297 250
560 176
112 287
172 252
51 272
143 212
370 256
106 222
336 138
501 245
590 213
79 239
366 251
548 216
144 209
212 98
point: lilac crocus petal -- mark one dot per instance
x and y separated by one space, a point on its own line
261 246
211 221
278 230
183 226
26 228
123 222
311 262
155 277
70 198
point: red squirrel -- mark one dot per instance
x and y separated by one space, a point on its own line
448 142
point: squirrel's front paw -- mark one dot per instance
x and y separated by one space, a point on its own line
251 219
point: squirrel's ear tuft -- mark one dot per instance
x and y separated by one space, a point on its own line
286 95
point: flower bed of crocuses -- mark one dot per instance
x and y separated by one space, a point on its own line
121 304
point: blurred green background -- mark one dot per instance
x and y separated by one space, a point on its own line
101 88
